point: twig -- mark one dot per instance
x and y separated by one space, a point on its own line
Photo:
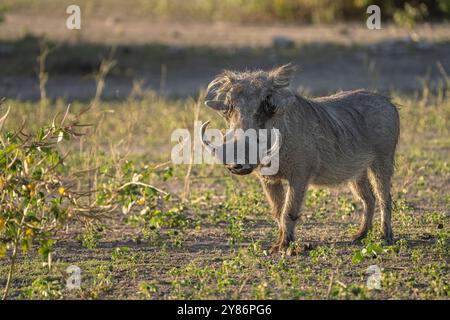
330 285
143 185
162 164
189 170
106 65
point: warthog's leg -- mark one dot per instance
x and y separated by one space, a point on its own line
274 192
290 213
363 192
380 177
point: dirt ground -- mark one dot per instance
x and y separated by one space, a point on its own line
179 58
215 245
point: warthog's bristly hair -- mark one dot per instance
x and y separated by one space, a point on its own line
281 77
350 129
349 137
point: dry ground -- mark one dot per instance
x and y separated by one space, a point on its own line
179 58
214 245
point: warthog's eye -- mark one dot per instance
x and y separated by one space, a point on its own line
267 107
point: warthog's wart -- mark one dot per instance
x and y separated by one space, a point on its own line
349 137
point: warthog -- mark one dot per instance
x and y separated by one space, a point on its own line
349 137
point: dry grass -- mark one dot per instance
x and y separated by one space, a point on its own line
213 245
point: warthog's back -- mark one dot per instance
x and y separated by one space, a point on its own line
355 128
369 113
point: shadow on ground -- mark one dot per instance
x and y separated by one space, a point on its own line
182 71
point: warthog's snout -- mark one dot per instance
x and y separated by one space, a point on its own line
240 162
240 169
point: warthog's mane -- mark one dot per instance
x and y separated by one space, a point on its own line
350 129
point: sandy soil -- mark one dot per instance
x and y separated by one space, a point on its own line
329 57
120 30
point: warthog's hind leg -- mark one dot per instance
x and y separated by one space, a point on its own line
291 212
362 191
380 178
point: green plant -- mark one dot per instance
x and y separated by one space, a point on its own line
322 252
44 289
444 5
120 254
102 282
442 243
317 198
346 207
124 261
372 250
343 291
35 196
235 229
436 218
147 290
260 291
410 15
92 233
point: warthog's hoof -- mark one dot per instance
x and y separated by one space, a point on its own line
291 249
309 246
279 248
356 238
296 249
275 249
389 238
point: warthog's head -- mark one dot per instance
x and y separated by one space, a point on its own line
249 100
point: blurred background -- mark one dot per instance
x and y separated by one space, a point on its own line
175 47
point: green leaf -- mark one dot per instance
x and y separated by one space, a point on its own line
46 247
2 249
26 244
357 257
40 134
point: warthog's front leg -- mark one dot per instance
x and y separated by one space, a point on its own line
291 212
274 192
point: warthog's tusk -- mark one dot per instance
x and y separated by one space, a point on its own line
211 148
274 149
276 146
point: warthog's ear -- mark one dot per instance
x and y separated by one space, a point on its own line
277 102
216 91
219 86
282 76
217 105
